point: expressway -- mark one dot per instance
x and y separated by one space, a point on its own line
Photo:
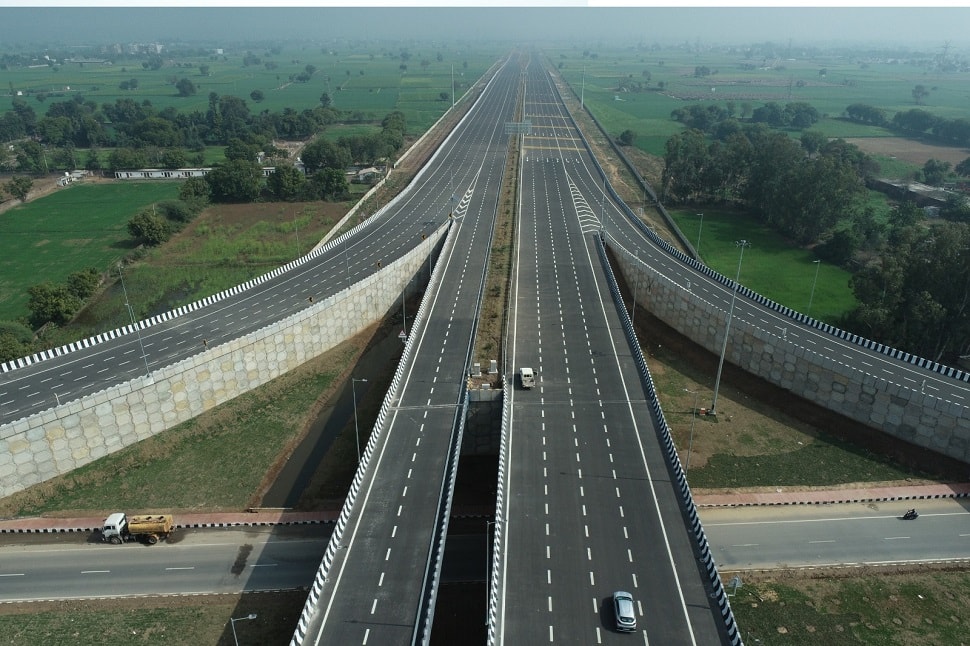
377 587
590 505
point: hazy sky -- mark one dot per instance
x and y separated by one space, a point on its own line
83 23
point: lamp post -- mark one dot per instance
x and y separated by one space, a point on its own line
727 330
693 418
697 249
818 263
353 388
131 314
232 622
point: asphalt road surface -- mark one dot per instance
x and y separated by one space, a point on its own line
838 535
589 504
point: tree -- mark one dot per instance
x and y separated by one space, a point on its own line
239 149
627 137
204 70
126 159
327 184
812 141
195 192
325 100
286 182
185 87
83 283
50 303
237 180
443 96
323 153
19 187
934 171
150 228
257 96
93 160
15 340
963 168
174 158
919 93
916 294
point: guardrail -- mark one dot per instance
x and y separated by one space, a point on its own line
494 595
670 452
432 574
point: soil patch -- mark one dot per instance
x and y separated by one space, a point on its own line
909 150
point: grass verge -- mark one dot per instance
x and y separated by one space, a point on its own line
865 607
175 620
491 323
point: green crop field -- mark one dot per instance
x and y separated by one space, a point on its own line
846 80
364 79
77 227
770 265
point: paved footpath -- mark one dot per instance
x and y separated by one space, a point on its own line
832 496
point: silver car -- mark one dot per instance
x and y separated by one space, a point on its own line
626 619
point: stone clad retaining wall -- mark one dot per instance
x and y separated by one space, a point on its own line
75 433
906 413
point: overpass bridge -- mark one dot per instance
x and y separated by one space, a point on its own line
573 212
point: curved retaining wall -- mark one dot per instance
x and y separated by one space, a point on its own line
75 433
906 413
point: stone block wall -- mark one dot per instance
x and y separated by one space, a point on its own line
75 433
906 413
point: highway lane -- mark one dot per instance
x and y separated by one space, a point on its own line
836 535
195 561
590 508
375 586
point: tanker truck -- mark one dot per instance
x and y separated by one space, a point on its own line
119 528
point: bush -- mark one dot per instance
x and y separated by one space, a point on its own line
149 227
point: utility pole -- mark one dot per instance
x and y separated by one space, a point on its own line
727 330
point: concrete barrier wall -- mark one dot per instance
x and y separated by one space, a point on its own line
75 433
906 413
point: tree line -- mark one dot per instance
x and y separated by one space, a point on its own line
142 136
911 280
914 121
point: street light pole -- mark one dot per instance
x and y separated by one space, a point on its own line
697 249
693 418
727 330
232 622
818 263
131 314
353 388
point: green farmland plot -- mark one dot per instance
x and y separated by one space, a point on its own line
830 83
78 227
365 80
770 265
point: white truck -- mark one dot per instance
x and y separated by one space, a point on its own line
119 528
527 377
